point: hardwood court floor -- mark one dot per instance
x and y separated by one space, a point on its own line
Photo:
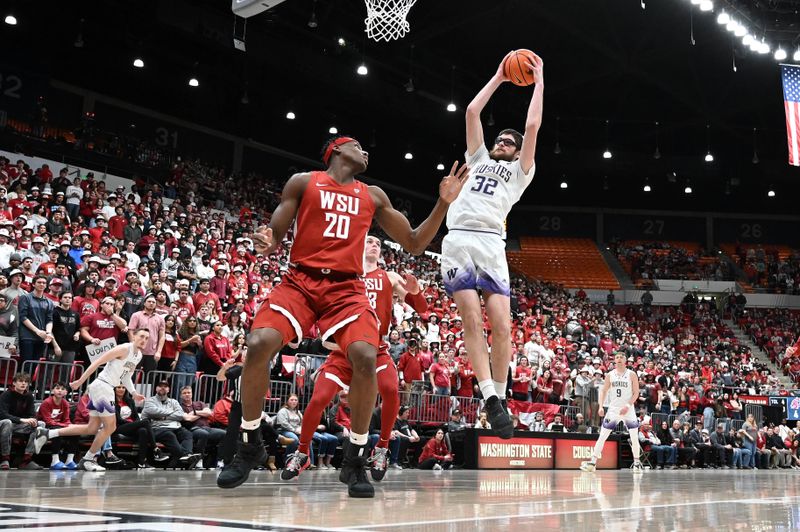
406 500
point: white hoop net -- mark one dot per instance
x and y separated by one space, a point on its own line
386 19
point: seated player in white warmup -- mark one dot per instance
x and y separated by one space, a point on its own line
623 385
120 364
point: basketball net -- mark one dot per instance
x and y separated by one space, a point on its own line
386 19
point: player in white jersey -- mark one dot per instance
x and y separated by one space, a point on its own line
473 252
120 364
621 389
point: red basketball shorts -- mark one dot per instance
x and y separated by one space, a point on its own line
337 368
340 309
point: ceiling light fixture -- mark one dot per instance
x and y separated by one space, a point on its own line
771 193
290 115
362 70
564 184
332 130
451 107
706 5
780 54
193 82
408 156
312 22
723 18
440 166
138 63
11 20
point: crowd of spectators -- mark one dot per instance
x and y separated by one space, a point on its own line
646 262
770 269
775 331
81 264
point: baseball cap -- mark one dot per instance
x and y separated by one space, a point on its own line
14 272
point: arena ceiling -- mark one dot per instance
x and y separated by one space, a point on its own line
605 60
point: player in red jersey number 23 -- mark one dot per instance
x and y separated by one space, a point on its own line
335 374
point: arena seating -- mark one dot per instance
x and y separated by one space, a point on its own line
769 268
571 262
647 260
775 331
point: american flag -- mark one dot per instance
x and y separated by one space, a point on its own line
791 101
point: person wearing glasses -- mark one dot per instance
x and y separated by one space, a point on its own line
473 252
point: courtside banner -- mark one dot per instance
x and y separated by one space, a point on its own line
570 453
516 453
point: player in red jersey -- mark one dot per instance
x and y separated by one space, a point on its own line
335 374
333 212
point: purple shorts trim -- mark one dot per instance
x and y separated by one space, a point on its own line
470 280
102 407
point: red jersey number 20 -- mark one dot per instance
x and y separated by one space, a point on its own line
338 226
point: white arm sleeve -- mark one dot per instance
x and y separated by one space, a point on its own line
127 382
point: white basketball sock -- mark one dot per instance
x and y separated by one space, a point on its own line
500 388
487 388
358 439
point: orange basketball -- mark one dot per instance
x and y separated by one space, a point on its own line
514 68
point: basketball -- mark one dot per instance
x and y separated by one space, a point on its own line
514 68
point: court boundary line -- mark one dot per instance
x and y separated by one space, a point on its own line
565 512
253 526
